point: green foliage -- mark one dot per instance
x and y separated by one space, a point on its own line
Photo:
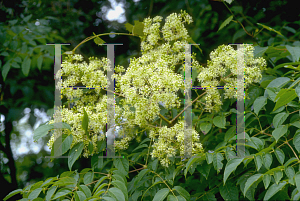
272 138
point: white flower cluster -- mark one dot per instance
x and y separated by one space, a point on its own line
224 65
169 141
148 81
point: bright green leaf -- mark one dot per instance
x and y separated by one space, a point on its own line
279 155
296 140
15 192
284 97
294 51
230 167
269 28
35 193
50 192
161 194
74 153
116 193
259 103
279 132
251 180
220 121
279 119
267 160
266 180
88 178
217 161
62 192
274 189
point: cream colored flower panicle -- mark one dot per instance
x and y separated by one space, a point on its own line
169 142
224 66
150 81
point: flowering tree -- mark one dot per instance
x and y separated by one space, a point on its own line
149 110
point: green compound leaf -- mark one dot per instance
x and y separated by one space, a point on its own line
79 196
88 178
230 167
85 190
161 194
277 176
44 129
274 189
129 27
116 193
120 185
217 161
295 52
65 181
219 121
61 146
35 193
296 140
267 160
85 122
279 119
251 180
62 192
182 192
74 153
138 28
279 132
5 70
39 62
229 192
297 180
279 155
266 180
99 182
205 127
50 192
15 192
26 66
122 164
140 176
258 161
269 28
226 22
284 97
259 103
98 40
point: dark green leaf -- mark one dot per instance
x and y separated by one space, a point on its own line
26 66
182 192
227 21
229 192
